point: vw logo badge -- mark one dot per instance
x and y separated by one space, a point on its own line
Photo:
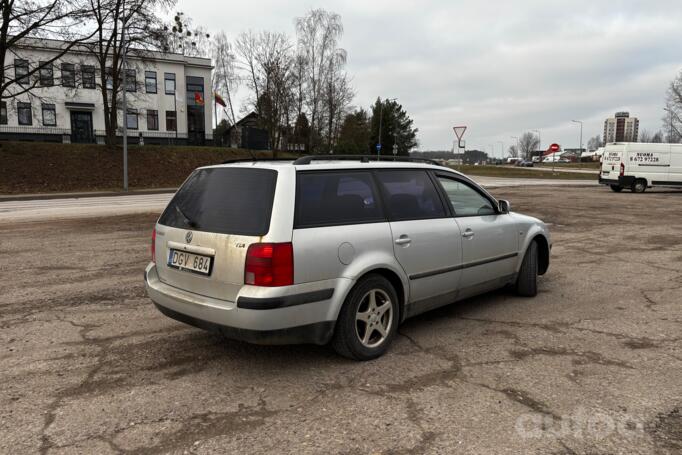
188 236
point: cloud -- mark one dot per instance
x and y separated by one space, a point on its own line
499 67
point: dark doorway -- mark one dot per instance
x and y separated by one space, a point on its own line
81 127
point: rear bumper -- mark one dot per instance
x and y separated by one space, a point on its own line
316 333
299 315
625 181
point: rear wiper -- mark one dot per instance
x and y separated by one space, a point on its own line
188 221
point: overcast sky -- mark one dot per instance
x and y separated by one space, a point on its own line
501 68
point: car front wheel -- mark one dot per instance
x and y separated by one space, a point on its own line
368 320
527 281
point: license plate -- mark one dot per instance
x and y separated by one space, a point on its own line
190 262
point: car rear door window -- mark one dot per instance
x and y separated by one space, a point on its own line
410 195
336 198
465 200
224 200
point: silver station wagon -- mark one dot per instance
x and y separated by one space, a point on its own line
335 250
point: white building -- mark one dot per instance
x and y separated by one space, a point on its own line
169 98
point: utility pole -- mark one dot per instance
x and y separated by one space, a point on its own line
125 105
580 150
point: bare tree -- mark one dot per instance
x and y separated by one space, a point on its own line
144 32
595 142
657 138
672 120
186 39
528 143
513 151
318 34
225 79
24 19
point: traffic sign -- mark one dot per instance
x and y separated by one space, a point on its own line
554 148
378 147
459 131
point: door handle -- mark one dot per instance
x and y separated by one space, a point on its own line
403 240
468 234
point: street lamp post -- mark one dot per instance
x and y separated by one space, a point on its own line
125 105
381 121
580 149
501 148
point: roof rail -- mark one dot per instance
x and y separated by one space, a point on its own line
363 159
255 160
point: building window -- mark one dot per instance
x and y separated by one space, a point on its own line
49 115
131 119
109 78
68 75
169 83
150 81
88 76
24 114
21 71
46 74
3 113
131 80
171 121
152 120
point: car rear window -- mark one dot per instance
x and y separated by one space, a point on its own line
410 195
224 200
335 198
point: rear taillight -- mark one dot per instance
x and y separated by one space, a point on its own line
154 246
622 169
269 264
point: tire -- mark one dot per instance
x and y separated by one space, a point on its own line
639 186
616 188
527 281
358 315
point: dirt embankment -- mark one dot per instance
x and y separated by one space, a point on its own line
34 167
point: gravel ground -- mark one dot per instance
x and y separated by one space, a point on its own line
591 365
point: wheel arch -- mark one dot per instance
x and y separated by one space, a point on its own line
543 253
393 277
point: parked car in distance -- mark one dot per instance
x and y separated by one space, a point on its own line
342 251
524 163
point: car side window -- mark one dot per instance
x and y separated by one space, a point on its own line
335 198
410 195
465 200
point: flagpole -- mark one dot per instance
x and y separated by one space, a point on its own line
215 114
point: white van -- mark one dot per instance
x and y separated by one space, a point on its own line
638 166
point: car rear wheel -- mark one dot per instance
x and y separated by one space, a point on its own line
639 186
527 281
616 188
368 320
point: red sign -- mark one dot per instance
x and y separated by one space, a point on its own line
554 148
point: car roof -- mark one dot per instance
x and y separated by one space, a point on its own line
335 164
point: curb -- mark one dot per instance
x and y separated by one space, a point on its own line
80 195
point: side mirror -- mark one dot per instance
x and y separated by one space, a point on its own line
504 206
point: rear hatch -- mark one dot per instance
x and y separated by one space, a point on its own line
203 235
610 166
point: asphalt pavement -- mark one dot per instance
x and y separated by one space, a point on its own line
592 365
